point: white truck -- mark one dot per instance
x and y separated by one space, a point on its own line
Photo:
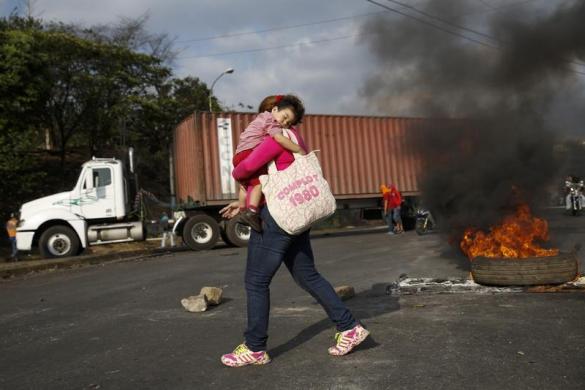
101 209
97 210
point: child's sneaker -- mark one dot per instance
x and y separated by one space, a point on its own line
252 219
242 356
348 340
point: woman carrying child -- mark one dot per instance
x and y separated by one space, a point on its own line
267 250
275 113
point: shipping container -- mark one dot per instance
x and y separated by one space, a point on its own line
357 153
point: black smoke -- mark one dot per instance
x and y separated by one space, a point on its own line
506 87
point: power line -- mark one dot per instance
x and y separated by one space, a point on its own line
277 47
387 8
432 25
231 35
323 40
447 22
280 28
466 28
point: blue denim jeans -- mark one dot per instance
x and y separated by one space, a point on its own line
396 215
266 252
13 247
389 220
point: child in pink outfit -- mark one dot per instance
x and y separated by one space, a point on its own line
276 112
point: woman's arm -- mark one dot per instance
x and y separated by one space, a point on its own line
231 210
267 151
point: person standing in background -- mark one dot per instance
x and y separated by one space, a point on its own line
166 229
387 209
395 206
11 225
392 206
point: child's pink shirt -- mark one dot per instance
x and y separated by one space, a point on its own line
262 125
267 151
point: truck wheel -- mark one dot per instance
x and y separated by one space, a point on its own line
201 232
237 233
59 241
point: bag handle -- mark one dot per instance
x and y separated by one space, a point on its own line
290 135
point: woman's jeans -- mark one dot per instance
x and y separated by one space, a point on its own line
266 251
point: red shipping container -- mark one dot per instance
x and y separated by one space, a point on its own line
357 153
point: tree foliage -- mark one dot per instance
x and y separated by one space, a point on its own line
68 92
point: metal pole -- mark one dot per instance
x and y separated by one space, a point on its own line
172 175
227 71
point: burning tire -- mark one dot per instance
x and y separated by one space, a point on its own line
525 272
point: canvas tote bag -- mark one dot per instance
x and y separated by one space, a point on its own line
298 196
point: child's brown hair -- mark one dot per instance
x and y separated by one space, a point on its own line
295 104
284 101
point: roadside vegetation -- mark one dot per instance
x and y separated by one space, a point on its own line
69 92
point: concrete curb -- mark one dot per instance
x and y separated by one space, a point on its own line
23 267
26 266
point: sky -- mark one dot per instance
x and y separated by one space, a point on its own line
314 49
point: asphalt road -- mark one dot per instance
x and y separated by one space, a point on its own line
120 325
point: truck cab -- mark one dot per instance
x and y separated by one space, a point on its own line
95 211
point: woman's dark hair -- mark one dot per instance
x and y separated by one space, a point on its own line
295 104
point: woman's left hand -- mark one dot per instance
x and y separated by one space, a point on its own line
231 210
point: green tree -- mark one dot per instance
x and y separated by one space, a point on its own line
21 101
83 92
91 87
153 121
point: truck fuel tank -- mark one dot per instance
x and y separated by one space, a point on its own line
127 231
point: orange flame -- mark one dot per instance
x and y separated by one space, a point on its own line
513 238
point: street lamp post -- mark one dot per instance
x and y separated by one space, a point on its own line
227 71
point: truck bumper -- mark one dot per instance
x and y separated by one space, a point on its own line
24 240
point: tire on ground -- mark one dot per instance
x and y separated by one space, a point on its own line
201 232
236 234
59 241
524 272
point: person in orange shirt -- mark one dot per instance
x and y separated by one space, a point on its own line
11 225
386 202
